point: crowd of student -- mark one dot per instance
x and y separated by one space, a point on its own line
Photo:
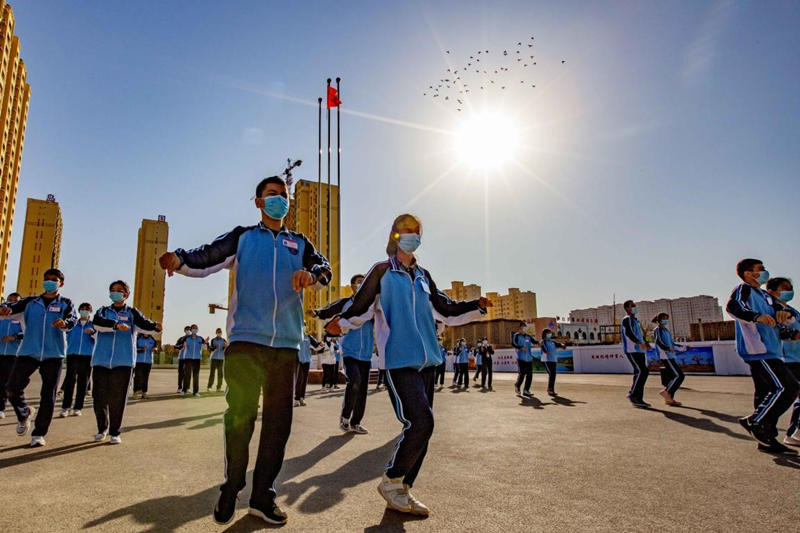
396 306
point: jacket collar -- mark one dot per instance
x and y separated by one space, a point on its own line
264 227
397 266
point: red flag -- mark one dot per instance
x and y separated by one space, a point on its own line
333 97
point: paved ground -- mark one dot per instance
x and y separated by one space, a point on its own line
584 461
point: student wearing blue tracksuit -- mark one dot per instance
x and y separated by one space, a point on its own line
265 328
309 345
782 290
759 332
463 365
145 345
405 303
635 347
550 359
328 361
10 337
114 358
523 344
478 360
217 346
192 356
46 319
80 344
671 374
442 368
180 345
356 350
487 353
456 367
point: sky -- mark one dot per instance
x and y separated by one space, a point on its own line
661 151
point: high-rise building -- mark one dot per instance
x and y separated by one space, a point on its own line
41 244
15 93
308 214
516 304
148 287
458 291
682 312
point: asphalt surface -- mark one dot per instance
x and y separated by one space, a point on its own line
583 461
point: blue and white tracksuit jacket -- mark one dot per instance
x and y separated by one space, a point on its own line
791 348
309 343
43 341
665 346
632 335
523 343
405 305
113 347
79 342
180 344
10 328
217 347
264 308
357 343
549 351
462 354
756 341
144 349
193 347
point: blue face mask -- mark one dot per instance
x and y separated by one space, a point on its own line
409 242
549 336
634 310
194 332
50 286
116 296
665 322
276 207
763 277
786 296
84 313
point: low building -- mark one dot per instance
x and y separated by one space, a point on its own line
713 331
497 331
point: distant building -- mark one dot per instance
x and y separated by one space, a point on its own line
497 331
148 287
458 291
713 331
15 92
682 311
308 214
517 305
41 244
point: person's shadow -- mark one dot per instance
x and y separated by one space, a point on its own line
393 522
790 461
566 402
700 423
715 414
533 401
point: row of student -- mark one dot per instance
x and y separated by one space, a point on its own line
190 354
266 333
46 320
523 343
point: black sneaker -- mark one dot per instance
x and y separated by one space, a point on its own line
225 508
268 511
776 447
761 434
639 403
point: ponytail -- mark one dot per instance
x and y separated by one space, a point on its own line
659 317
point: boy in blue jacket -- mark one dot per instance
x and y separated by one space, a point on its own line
46 318
217 346
192 356
635 347
356 348
759 330
180 345
145 345
80 344
309 345
114 358
10 335
265 328
523 343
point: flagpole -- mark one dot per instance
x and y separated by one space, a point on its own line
328 247
319 174
338 177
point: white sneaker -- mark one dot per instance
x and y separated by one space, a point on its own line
417 507
297 403
76 412
344 424
302 402
395 494
793 439
100 437
358 429
180 393
64 413
36 442
116 440
24 426
196 394
2 414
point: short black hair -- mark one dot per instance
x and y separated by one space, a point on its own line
18 295
545 331
120 282
746 265
659 317
194 326
187 327
627 304
85 305
353 279
266 181
54 272
774 283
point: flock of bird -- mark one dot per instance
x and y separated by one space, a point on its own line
486 70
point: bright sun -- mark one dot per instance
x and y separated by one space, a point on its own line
487 141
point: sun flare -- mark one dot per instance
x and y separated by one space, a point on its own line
486 141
